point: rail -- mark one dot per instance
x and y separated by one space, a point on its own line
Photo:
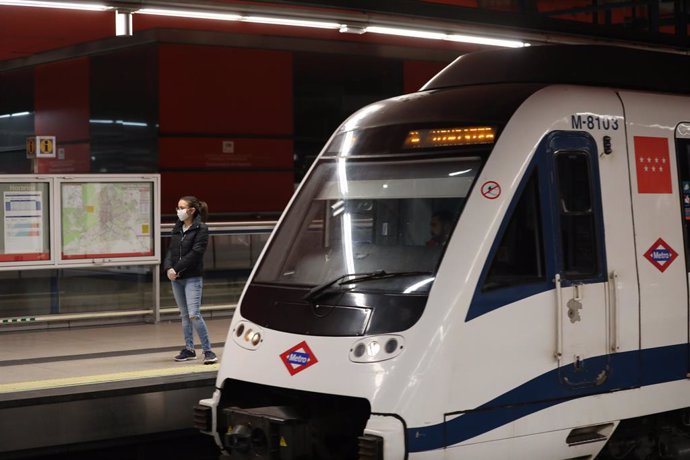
228 228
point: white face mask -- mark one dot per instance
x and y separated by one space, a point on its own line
182 214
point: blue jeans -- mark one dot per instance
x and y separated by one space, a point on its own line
187 292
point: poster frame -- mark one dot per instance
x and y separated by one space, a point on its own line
110 260
55 260
47 207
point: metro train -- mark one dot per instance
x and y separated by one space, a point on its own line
545 318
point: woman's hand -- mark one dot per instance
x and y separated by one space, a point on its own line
172 274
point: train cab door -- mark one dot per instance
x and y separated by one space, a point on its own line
578 254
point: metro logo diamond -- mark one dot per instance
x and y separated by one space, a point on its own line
661 255
298 358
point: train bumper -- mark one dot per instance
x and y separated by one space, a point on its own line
282 433
203 416
390 429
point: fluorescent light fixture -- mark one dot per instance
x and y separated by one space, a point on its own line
406 32
195 14
338 208
352 29
412 33
61 5
191 14
458 173
117 122
123 23
16 114
292 22
344 28
486 41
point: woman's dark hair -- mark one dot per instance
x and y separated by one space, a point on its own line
200 206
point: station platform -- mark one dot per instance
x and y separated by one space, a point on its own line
68 386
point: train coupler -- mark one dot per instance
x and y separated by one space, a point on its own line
272 432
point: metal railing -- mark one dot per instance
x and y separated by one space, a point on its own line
102 295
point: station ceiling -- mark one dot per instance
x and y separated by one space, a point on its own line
26 31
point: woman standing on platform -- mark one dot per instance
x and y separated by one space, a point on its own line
184 265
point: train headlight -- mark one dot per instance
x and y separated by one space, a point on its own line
373 348
376 348
247 335
358 350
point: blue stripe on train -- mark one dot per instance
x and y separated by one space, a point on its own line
626 370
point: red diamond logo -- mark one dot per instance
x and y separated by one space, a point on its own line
298 358
661 255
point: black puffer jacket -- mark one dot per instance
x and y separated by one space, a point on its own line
186 252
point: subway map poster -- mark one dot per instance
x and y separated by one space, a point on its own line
107 220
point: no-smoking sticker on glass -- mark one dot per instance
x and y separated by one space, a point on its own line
491 190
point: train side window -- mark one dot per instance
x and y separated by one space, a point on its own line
519 259
578 238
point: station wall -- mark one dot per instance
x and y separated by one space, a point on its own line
237 127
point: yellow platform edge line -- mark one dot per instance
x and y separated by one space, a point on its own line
105 378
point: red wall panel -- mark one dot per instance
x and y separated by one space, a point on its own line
61 102
465 3
228 191
417 73
206 152
35 30
209 95
209 89
77 159
61 99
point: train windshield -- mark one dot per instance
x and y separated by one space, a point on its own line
370 226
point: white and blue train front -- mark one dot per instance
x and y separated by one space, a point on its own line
550 322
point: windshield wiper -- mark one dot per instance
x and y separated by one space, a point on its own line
316 291
381 274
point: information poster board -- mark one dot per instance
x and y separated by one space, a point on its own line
79 221
107 220
25 229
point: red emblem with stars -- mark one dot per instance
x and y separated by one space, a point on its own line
661 255
298 358
652 165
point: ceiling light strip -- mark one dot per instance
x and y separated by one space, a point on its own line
486 41
237 17
292 22
412 33
59 5
405 32
190 14
199 14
